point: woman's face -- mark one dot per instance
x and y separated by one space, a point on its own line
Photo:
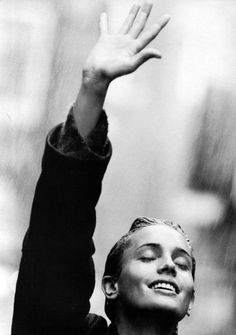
157 272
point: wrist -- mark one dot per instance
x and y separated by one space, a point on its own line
95 81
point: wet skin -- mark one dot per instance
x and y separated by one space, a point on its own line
156 255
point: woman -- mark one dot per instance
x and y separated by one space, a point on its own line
149 273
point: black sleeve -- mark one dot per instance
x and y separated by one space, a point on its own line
56 277
73 144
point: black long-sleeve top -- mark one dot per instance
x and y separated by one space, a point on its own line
56 276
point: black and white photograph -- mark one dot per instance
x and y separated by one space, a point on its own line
117 167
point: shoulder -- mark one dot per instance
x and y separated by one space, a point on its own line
96 325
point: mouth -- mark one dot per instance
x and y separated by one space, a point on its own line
165 285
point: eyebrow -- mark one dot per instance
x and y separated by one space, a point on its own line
181 250
152 245
157 246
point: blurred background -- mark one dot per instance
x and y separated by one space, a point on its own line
172 125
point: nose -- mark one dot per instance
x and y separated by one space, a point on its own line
167 266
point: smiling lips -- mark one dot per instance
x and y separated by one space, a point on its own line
164 285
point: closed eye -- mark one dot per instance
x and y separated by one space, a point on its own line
182 264
147 259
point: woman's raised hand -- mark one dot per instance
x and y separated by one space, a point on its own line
114 55
117 54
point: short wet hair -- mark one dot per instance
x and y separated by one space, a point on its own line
113 265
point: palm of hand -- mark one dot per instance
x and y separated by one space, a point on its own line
118 54
113 55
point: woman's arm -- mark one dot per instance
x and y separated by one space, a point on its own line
56 277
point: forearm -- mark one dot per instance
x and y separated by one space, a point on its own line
89 104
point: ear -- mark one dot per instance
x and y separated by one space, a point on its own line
110 287
191 303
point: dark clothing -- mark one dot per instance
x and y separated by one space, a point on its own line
56 277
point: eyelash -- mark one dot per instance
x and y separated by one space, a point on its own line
182 266
147 259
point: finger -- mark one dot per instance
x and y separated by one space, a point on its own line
144 56
103 23
130 19
141 20
151 33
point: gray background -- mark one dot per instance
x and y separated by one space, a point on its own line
172 125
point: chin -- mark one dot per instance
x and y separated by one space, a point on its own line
164 309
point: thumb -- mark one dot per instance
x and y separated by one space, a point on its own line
145 55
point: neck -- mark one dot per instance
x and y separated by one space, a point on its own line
144 324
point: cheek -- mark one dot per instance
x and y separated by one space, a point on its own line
188 289
190 284
133 276
132 286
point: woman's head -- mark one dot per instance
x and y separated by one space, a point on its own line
150 268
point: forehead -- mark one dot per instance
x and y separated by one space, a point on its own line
165 236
